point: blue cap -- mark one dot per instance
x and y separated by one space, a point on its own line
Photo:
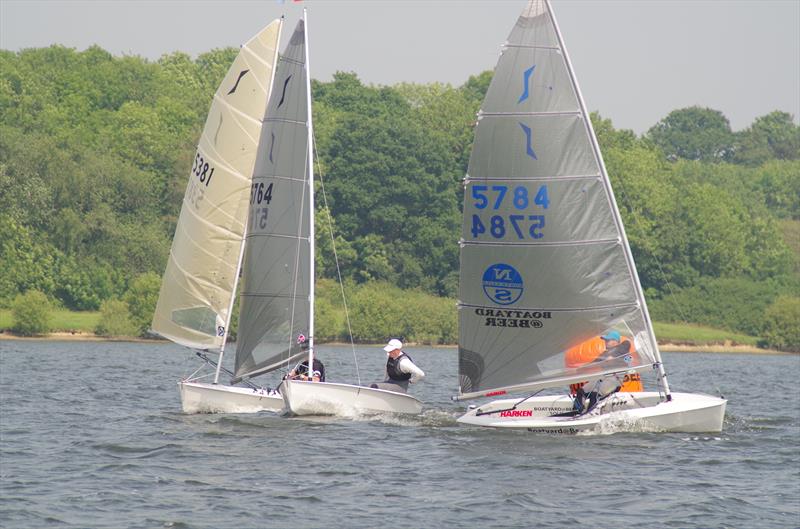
611 335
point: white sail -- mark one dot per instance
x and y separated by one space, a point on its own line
199 282
545 264
275 307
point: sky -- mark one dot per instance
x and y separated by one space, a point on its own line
635 61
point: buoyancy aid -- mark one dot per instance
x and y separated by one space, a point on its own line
393 368
588 351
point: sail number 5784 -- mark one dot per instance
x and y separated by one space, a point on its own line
498 226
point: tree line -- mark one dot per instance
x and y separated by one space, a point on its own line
94 151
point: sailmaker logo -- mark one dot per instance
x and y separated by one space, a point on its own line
502 284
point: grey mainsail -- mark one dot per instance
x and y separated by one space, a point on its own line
274 320
545 264
194 305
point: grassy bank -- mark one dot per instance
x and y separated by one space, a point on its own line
63 321
85 322
700 335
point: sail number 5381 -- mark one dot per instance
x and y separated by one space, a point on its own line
492 197
202 170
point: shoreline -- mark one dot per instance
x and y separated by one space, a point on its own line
669 347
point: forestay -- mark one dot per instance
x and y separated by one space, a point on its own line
276 276
196 292
545 264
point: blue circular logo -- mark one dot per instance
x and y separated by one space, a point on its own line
502 284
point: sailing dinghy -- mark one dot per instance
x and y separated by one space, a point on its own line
546 268
197 292
286 258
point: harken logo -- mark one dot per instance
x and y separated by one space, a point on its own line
516 413
502 284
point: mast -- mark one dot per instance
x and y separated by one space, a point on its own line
310 163
244 235
615 210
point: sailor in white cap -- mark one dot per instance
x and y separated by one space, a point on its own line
400 369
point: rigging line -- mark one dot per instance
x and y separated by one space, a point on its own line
296 274
512 408
336 260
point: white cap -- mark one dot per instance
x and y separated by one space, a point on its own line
393 344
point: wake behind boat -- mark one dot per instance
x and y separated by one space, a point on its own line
549 293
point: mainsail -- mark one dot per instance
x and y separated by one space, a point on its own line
545 264
274 320
196 295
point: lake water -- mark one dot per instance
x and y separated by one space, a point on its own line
91 436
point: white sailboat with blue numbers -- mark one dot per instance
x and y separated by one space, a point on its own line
549 293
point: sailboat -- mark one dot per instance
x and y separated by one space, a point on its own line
199 284
282 298
546 271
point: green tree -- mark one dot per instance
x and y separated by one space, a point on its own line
115 319
31 314
779 184
428 319
329 315
694 133
781 329
375 312
736 304
770 137
141 298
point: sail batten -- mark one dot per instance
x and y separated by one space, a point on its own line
524 47
529 243
552 309
541 229
468 179
516 114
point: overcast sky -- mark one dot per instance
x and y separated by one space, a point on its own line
635 60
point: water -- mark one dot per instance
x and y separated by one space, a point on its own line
91 436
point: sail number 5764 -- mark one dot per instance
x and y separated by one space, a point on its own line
498 226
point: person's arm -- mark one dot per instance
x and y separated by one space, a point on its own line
407 366
621 349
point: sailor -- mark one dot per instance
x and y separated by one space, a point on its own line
586 400
400 369
616 347
601 348
300 371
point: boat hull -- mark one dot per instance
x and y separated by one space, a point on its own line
327 398
200 397
642 411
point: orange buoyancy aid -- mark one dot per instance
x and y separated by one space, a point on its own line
588 351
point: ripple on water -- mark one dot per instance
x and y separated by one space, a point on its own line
76 455
124 451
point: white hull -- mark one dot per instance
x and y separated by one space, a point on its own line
199 397
644 411
326 398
